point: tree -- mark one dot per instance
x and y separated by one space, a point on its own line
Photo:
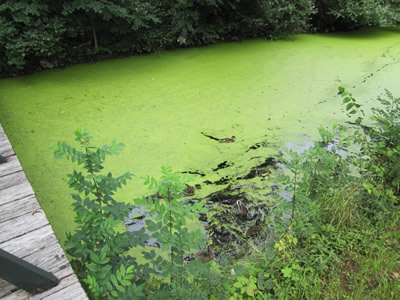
348 15
28 31
125 15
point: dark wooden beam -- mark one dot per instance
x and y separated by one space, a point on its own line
25 275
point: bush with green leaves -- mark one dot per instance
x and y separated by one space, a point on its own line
349 15
378 159
99 247
29 33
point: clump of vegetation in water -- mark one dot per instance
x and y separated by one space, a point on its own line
337 237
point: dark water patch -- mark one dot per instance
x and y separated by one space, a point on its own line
227 225
227 196
261 170
136 222
222 181
223 165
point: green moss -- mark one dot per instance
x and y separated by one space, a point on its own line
158 105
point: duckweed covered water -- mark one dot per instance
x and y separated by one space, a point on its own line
266 94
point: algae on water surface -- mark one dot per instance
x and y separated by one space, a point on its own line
264 93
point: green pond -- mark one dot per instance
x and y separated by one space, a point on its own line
267 94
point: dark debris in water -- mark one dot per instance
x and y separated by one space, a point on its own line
223 165
226 227
194 173
222 181
262 170
226 196
258 145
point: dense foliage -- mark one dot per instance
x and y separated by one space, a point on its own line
348 15
37 34
337 237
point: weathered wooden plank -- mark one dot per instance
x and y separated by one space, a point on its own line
31 242
21 225
16 192
67 286
73 292
25 275
18 208
26 245
5 149
2 135
11 166
12 179
51 259
7 288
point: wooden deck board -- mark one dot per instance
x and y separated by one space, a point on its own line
21 225
11 166
5 148
18 208
16 192
30 242
12 179
26 233
66 289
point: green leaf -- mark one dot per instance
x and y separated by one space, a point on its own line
122 270
287 272
92 267
114 280
121 289
349 106
162 209
114 294
346 100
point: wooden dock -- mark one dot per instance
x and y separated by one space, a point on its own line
26 233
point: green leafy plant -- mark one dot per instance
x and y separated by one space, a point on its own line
186 279
98 247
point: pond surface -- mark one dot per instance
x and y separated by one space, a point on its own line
266 94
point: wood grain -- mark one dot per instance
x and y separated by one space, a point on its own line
16 192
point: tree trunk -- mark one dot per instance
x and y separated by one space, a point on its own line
96 46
